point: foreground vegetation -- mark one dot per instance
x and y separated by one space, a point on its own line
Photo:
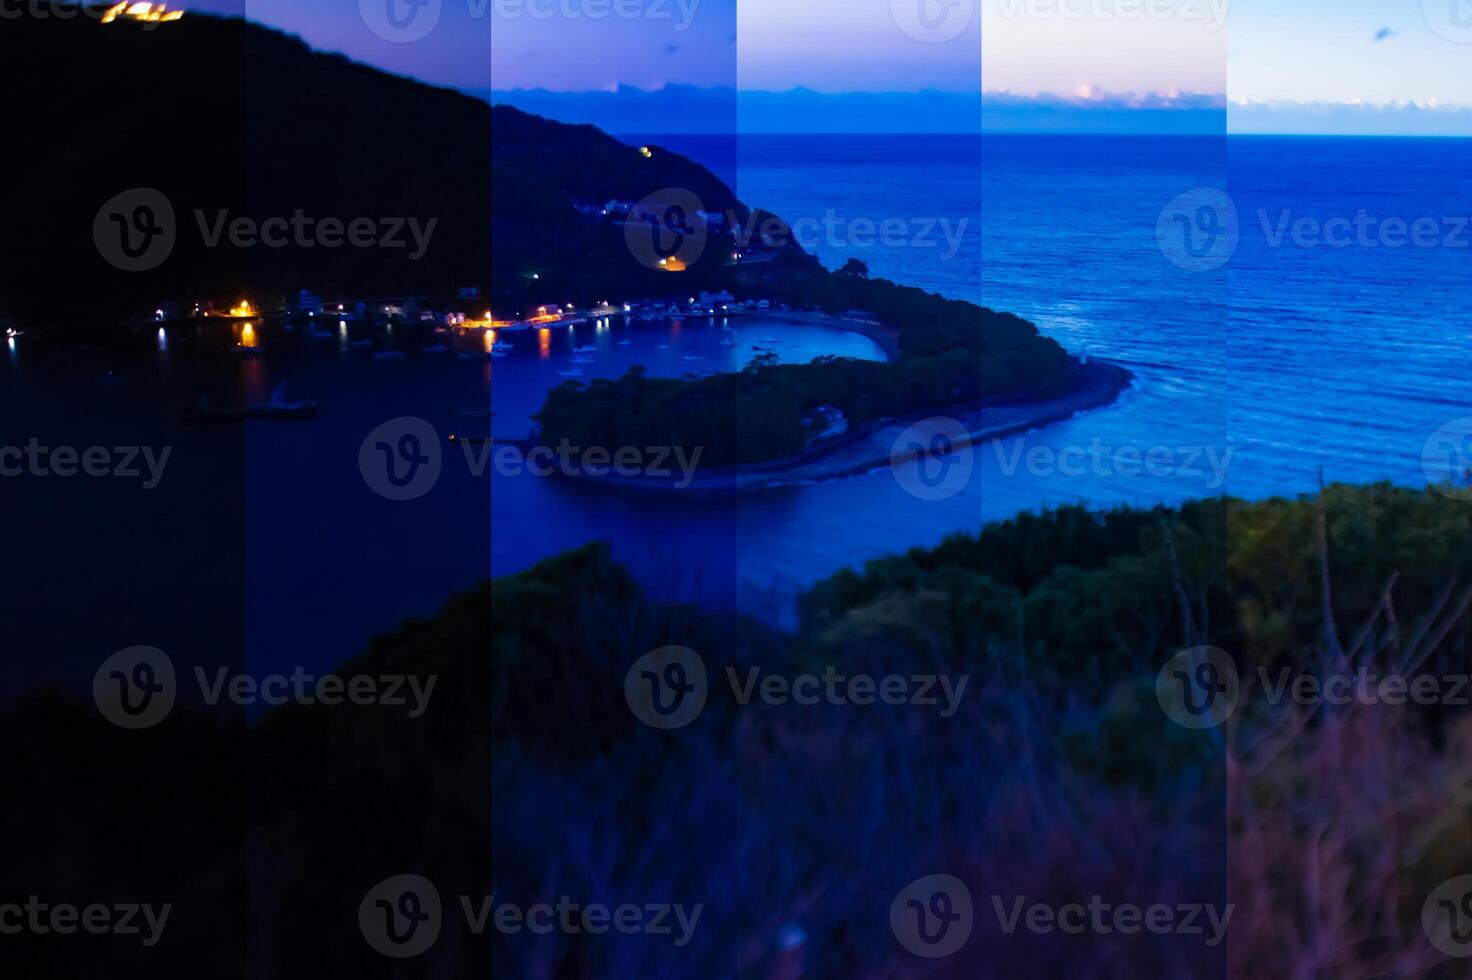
1057 778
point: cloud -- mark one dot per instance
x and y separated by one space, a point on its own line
1384 34
1400 117
1093 97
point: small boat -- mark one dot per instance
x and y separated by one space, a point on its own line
624 343
571 373
361 343
277 409
503 345
280 408
585 349
388 355
693 357
111 379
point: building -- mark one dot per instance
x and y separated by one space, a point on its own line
308 303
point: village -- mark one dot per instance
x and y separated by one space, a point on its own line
467 311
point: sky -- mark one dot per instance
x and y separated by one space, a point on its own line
1314 64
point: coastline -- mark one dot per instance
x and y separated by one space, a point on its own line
886 337
871 446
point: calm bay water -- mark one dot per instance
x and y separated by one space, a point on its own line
1250 377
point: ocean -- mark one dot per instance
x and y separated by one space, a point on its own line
1316 332
1332 336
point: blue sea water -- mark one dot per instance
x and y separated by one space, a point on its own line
1301 351
1272 356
